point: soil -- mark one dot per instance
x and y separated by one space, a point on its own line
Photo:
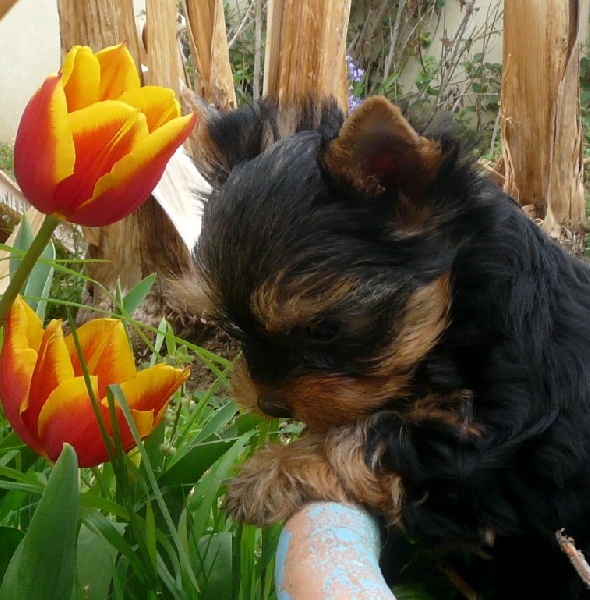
214 340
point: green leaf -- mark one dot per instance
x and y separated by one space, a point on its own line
222 417
22 242
137 294
9 540
44 564
190 468
150 533
114 534
207 489
214 566
96 566
39 281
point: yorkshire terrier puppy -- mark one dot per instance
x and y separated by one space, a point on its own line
433 340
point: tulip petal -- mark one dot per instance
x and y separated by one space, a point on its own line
134 177
25 321
44 152
117 72
52 368
103 133
80 77
17 363
106 352
158 104
152 388
67 416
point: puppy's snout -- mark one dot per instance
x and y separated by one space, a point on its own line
272 408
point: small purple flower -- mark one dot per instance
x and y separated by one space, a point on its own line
355 74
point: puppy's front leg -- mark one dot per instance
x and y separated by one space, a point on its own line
278 480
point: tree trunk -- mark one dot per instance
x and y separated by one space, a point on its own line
306 50
541 129
98 24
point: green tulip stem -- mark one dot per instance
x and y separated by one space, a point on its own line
26 266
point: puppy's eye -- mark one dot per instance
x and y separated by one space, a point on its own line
322 331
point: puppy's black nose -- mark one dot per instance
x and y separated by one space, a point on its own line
272 408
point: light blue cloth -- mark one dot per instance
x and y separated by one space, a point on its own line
341 545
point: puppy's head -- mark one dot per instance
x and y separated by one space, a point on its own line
327 254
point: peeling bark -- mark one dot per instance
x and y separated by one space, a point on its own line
541 128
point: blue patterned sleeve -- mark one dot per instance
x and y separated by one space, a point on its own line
330 551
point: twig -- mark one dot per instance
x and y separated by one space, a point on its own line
576 557
242 25
460 584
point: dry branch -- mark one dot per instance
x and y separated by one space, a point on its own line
98 24
575 556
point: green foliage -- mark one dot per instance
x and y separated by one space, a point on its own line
394 45
43 565
151 524
242 47
154 519
585 99
7 159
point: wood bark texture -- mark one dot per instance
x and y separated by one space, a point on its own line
213 78
164 61
541 126
306 49
98 24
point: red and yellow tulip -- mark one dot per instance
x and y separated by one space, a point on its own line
44 394
93 143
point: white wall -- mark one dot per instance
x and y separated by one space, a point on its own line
29 47
30 50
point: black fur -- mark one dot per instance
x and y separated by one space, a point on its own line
517 342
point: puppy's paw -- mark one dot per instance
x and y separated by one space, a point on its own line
278 480
262 493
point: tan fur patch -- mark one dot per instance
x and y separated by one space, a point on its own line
444 409
244 389
327 400
192 293
377 132
278 480
426 316
281 306
366 484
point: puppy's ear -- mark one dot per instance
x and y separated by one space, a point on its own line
377 149
222 139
